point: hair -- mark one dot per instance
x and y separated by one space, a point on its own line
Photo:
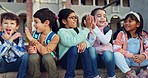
93 12
63 14
83 19
10 16
133 17
46 14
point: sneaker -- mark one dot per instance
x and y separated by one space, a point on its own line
132 75
143 73
112 77
97 76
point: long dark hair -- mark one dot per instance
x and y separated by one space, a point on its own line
63 14
46 14
133 17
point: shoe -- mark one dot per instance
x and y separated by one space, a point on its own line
112 77
97 76
132 75
143 73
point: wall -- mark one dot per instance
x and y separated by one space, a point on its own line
141 6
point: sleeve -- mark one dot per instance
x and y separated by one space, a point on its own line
118 46
19 48
91 38
4 47
103 38
68 39
145 46
49 48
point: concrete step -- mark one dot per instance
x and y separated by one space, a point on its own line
78 72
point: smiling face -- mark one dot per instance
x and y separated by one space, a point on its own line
38 25
100 18
131 25
9 26
71 21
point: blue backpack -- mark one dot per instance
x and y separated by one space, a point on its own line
36 35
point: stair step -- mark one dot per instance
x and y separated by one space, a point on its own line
78 72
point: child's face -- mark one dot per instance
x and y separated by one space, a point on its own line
39 26
130 25
100 18
71 21
9 26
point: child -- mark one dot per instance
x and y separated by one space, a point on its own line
41 50
13 55
73 44
129 45
99 38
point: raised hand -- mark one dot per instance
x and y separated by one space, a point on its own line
28 34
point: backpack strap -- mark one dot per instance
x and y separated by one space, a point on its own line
36 35
49 37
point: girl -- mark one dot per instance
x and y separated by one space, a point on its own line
99 38
129 46
42 44
72 44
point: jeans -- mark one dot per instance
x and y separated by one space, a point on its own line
21 65
107 59
124 63
35 60
94 57
69 60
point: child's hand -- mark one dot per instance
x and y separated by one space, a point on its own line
5 36
28 35
32 49
81 47
139 58
89 22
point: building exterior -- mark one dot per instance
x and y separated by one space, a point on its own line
115 12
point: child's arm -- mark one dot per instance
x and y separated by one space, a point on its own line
118 46
46 49
68 39
91 38
103 38
19 48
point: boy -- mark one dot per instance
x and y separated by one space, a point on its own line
42 44
13 55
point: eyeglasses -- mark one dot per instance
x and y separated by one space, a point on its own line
73 17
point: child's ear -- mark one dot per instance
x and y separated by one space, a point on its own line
64 21
138 24
47 22
17 27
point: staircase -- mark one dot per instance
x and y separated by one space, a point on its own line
78 72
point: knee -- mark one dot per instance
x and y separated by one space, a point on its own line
92 52
25 56
108 56
33 58
118 55
73 50
47 58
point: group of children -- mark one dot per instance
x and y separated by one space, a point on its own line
87 46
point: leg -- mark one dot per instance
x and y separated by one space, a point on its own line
72 56
121 62
86 62
108 58
23 66
2 65
94 56
50 65
34 66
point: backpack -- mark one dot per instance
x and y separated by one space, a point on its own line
36 35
